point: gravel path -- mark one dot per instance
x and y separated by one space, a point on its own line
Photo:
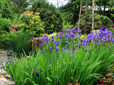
5 79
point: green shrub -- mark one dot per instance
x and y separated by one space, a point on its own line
5 24
100 21
49 14
66 25
112 15
32 24
4 41
112 10
18 41
5 9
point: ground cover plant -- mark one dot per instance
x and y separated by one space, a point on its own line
65 59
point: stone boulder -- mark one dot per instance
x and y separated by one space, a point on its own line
36 42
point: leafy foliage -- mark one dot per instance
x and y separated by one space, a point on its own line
18 41
100 21
49 14
67 25
4 24
5 9
32 24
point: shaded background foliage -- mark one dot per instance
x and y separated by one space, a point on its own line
49 14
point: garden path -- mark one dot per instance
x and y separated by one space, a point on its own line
5 78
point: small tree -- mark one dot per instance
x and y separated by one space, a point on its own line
93 16
80 13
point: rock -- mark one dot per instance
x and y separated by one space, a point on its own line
5 78
36 42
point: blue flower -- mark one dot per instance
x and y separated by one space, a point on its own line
72 35
52 38
79 31
32 37
42 51
8 65
14 59
57 48
60 36
36 72
45 38
67 35
69 31
50 48
86 50
11 51
66 42
9 61
41 44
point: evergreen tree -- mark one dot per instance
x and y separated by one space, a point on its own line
49 14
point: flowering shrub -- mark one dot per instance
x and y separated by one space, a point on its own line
32 23
13 28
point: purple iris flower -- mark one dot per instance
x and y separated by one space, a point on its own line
32 37
72 35
52 38
67 39
36 72
69 31
56 44
8 65
67 35
66 42
11 51
45 38
14 59
42 51
41 44
57 48
86 50
61 40
73 29
50 48
79 31
9 61
98 43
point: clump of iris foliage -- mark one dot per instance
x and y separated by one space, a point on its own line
63 57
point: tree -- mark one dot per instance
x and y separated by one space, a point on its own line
80 14
5 9
20 4
93 16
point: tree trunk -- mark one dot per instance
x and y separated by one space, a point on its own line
93 16
85 27
80 13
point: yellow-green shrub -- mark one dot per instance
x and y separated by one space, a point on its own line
32 24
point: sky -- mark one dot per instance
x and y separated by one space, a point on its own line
61 2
